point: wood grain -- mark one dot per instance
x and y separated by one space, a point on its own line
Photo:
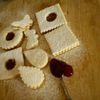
83 17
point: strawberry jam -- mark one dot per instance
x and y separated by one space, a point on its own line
10 36
59 68
51 17
10 64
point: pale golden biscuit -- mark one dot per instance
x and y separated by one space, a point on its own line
61 40
32 38
22 29
9 63
37 57
32 77
10 38
50 18
26 22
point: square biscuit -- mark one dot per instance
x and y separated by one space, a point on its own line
50 18
61 40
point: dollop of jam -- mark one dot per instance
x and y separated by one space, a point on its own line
56 68
51 17
59 68
10 64
10 36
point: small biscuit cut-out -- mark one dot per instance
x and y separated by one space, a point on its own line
32 38
23 24
10 38
50 18
37 57
61 40
9 63
32 77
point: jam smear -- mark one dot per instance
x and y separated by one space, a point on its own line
59 68
51 17
10 36
10 64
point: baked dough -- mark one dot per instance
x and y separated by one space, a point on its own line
10 38
61 40
23 24
32 38
7 60
54 13
37 57
32 77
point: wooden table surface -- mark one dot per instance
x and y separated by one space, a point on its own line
83 17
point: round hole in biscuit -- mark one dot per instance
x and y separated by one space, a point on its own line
10 64
51 17
10 36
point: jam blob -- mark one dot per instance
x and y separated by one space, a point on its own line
10 36
51 17
10 64
59 68
56 68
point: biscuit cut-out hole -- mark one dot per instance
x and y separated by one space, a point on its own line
10 64
51 17
10 36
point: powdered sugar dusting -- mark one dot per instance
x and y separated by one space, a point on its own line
53 85
75 55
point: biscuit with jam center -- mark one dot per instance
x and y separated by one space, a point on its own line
10 38
9 63
50 18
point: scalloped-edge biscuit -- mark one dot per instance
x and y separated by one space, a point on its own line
32 77
54 13
61 40
9 68
10 38
23 24
32 38
37 57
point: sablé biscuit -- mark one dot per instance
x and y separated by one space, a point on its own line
32 38
23 24
32 77
9 63
50 18
61 40
37 57
10 38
